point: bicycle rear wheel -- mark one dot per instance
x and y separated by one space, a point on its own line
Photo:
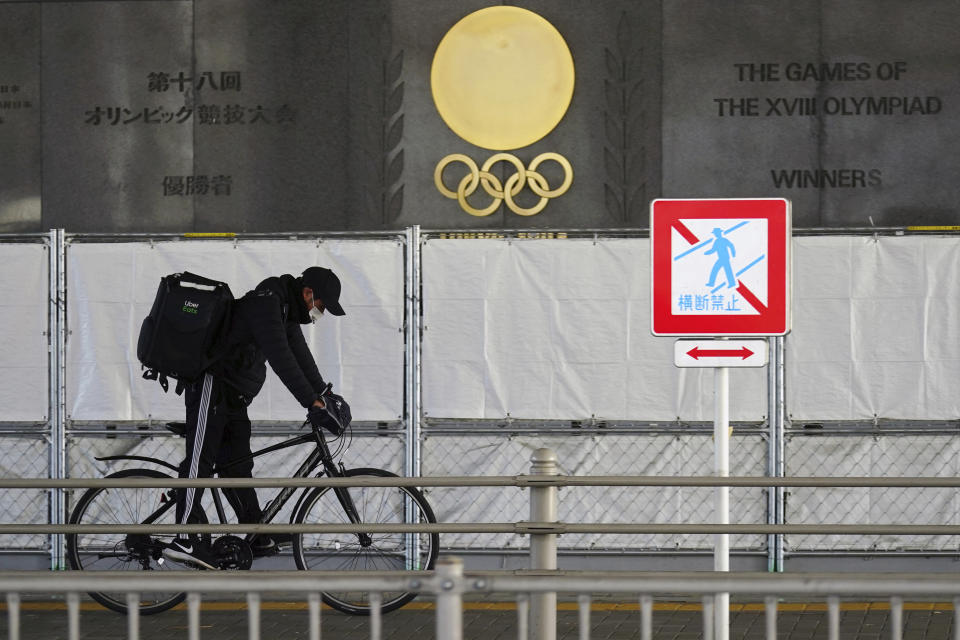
378 552
123 552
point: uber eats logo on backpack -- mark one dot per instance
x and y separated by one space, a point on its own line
190 307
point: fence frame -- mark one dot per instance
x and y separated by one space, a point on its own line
415 425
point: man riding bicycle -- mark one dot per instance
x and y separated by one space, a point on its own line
264 328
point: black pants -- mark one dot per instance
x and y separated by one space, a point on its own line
218 431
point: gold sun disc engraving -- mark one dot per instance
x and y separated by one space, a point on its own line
502 77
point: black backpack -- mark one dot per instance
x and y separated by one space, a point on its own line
182 335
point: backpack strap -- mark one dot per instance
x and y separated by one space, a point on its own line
153 374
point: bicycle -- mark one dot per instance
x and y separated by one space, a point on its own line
314 551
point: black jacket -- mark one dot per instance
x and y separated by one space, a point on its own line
265 327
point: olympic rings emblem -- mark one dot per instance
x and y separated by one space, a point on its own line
506 192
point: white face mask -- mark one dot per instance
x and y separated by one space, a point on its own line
315 314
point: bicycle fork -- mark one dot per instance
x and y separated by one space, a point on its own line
346 501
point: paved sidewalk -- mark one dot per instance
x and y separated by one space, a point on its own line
488 620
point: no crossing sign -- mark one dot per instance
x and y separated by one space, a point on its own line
720 267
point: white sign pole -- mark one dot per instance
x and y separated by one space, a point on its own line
721 468
699 290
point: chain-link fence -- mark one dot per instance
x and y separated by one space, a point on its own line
596 453
25 456
869 451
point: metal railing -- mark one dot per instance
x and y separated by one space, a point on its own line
542 527
449 583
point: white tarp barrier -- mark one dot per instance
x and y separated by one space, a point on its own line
560 329
876 329
24 366
111 287
557 329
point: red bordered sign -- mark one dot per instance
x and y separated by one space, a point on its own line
720 267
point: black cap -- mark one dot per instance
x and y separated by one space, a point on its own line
326 287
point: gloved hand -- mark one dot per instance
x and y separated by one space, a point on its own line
334 416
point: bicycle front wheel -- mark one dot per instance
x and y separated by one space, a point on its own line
122 552
366 552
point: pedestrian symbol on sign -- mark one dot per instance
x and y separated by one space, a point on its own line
724 250
719 274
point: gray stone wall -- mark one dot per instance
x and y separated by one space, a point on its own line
850 109
256 116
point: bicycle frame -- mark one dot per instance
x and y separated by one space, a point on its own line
314 550
319 456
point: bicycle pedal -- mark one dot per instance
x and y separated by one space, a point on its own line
233 553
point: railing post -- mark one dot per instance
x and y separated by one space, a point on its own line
543 546
13 615
449 600
313 604
73 616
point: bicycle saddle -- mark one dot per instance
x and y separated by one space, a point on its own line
177 428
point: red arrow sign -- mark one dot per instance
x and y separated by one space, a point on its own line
696 353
